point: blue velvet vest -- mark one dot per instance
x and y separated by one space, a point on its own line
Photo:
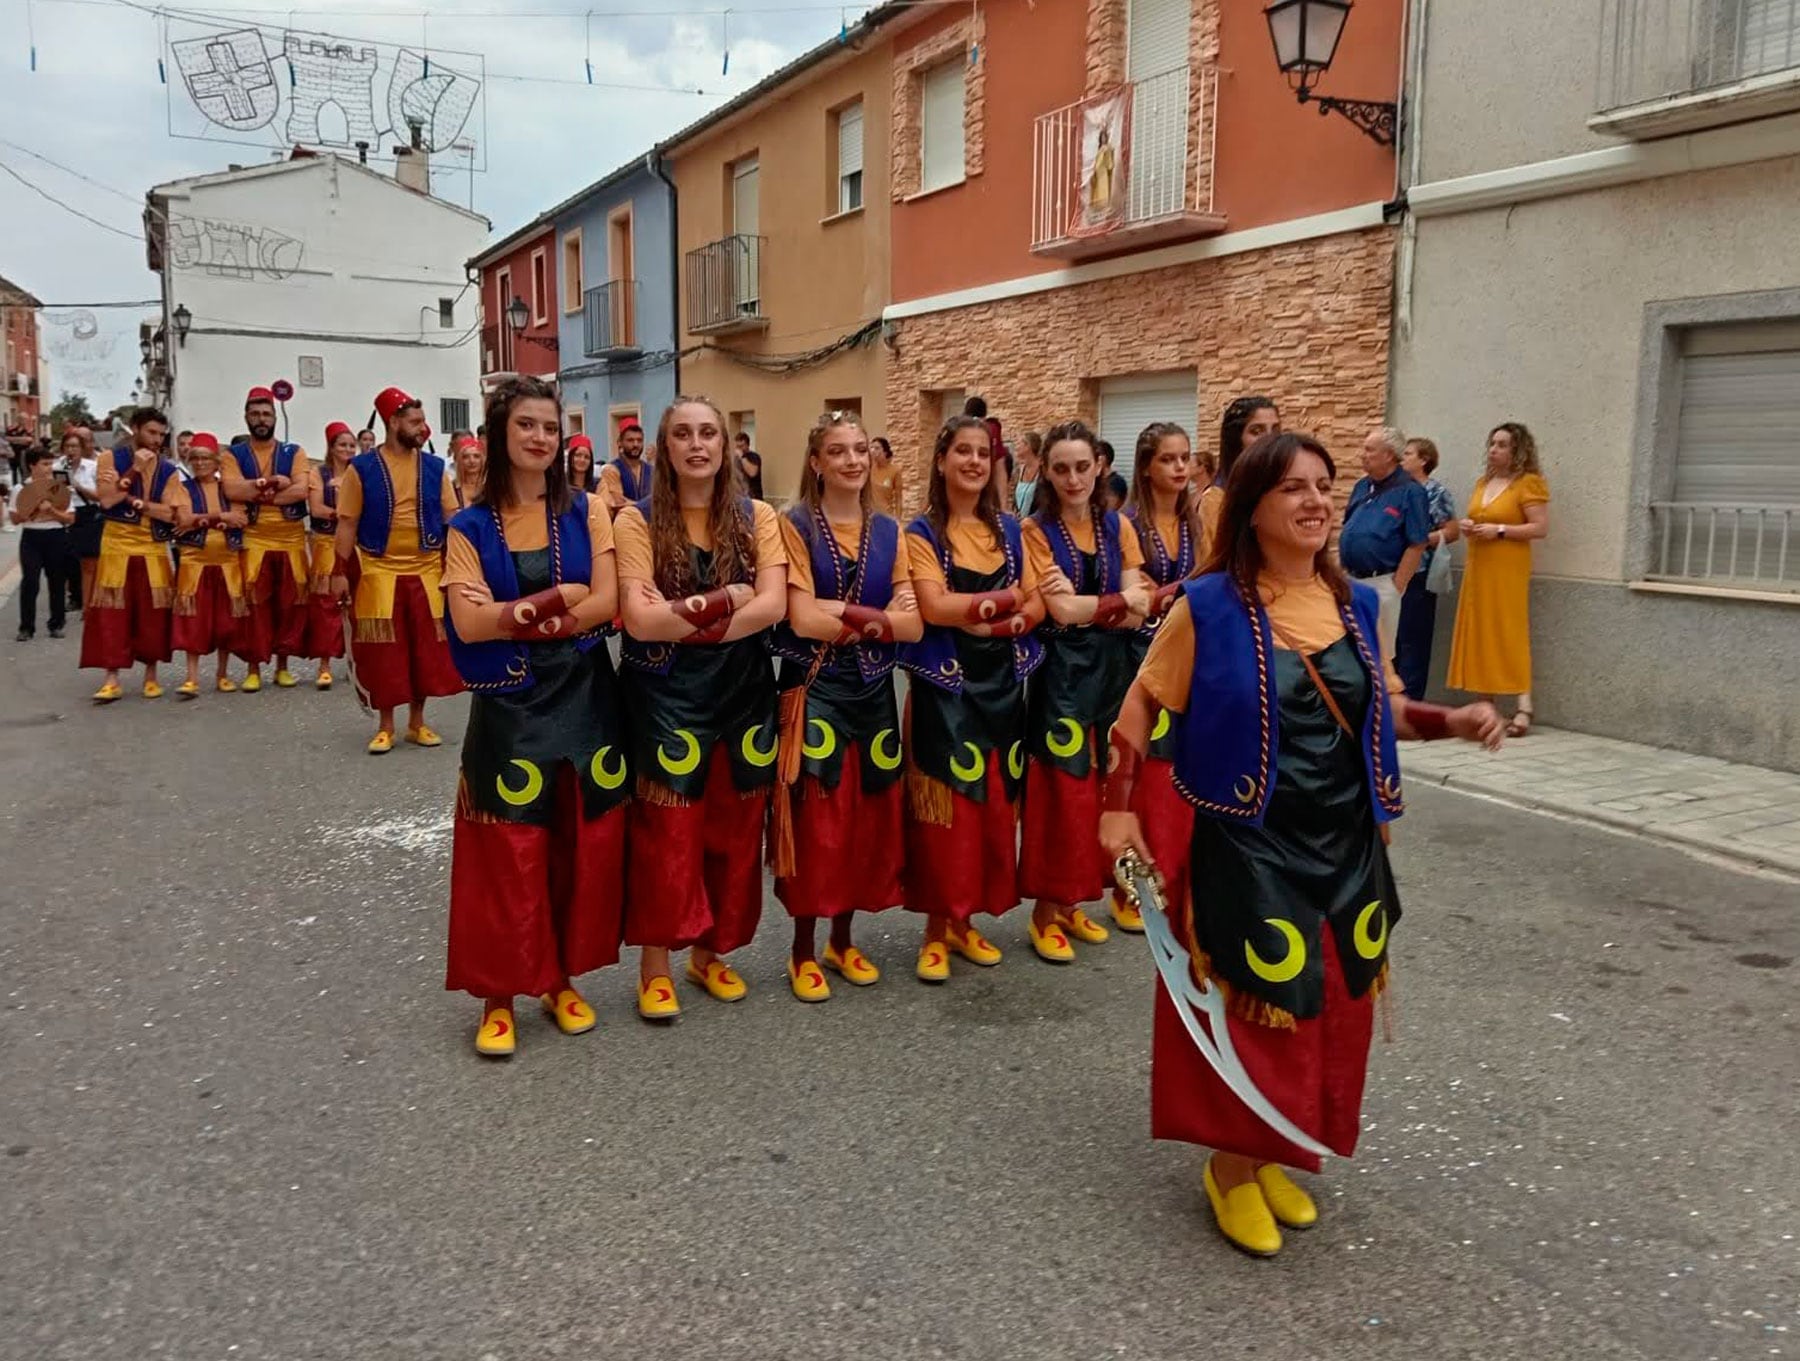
1069 558
504 664
657 658
636 486
1225 757
196 538
874 587
159 483
933 657
329 495
283 466
378 502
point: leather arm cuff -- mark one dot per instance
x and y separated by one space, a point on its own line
523 616
556 626
865 624
704 611
1164 597
1111 611
1430 721
990 606
1123 761
713 633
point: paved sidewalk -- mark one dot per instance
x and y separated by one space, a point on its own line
1743 812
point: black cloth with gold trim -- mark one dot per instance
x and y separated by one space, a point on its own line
955 736
1073 698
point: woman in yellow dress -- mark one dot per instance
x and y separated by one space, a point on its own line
1491 651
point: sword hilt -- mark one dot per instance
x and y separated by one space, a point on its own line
1137 877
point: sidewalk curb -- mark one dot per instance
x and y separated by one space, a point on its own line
9 582
1619 822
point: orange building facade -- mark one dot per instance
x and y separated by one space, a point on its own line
1223 237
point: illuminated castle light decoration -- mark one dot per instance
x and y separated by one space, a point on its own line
331 73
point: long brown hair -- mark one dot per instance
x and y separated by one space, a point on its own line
497 479
1231 429
1143 495
1046 500
733 536
1525 453
812 484
937 491
1236 550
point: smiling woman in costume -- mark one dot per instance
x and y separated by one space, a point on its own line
1088 566
1285 747
537 866
702 576
979 600
850 600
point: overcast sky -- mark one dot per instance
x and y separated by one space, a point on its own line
96 104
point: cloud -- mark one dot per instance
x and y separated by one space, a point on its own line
96 104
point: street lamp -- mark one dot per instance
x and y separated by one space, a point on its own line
183 320
517 314
1305 34
144 347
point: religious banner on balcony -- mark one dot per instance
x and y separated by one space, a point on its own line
1105 165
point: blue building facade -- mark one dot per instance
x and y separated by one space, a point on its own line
617 337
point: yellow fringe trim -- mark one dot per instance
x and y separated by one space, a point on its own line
929 800
660 796
465 806
374 631
109 598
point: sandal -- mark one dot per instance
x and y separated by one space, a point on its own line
1520 723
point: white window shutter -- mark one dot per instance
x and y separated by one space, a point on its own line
1739 438
941 126
850 140
1128 404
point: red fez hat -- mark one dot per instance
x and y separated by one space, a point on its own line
389 402
260 394
204 439
335 429
630 423
581 442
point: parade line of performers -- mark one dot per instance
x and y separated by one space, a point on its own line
1192 678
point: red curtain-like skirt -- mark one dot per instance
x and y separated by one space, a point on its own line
1313 1073
416 665
212 625
695 876
276 626
1059 856
849 847
324 626
970 866
1168 823
114 639
533 906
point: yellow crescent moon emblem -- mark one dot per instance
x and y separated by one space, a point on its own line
973 771
607 779
1064 747
881 760
1245 789
826 744
685 764
1288 968
528 793
754 754
1370 947
1015 760
1161 730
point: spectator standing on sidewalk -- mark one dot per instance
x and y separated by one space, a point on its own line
1386 523
1418 606
41 509
84 535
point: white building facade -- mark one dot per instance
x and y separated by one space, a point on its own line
323 272
1614 260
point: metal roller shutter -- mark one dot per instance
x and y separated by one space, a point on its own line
1127 405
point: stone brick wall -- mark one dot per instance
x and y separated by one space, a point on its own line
910 66
1306 323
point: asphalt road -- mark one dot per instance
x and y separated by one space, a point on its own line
242 1120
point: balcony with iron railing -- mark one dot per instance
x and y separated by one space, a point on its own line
1129 168
1673 66
609 318
724 286
1726 546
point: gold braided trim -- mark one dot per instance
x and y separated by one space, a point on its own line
929 801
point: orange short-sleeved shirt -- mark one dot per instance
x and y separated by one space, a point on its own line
526 530
886 487
849 539
637 562
1043 560
609 479
403 471
972 546
1306 611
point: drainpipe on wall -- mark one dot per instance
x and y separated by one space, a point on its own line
653 162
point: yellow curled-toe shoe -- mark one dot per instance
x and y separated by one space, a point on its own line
381 743
1084 928
252 682
109 692
1243 1216
722 982
657 1000
974 947
494 1038
570 1010
188 690
1051 944
322 681
808 981
423 736
285 679
934 962
852 965
1126 917
225 685
1285 1198
152 690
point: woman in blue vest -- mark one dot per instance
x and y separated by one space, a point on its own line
1088 565
210 605
537 864
702 578
1164 508
1285 747
324 612
978 596
839 826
